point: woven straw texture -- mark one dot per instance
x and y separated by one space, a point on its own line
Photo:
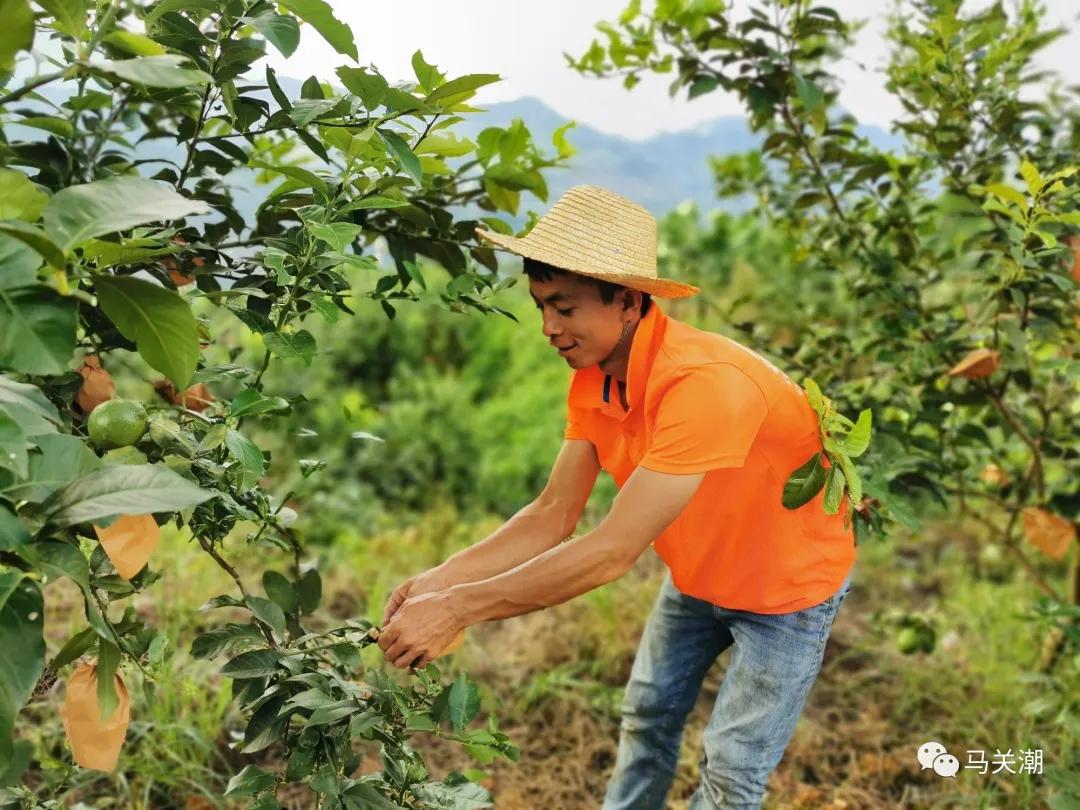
596 233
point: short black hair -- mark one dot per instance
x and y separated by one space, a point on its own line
542 271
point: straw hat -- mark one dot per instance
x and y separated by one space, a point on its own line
595 233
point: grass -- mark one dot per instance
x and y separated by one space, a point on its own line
556 678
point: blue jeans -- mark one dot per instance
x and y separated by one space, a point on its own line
773 666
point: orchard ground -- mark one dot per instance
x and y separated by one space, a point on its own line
557 677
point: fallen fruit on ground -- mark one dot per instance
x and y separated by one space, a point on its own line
97 387
95 743
117 423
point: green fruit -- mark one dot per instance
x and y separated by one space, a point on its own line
124 455
909 640
116 423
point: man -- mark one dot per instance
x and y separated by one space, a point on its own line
700 435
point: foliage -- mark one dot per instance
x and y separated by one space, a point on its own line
128 229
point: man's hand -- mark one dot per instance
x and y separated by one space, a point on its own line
425 582
422 627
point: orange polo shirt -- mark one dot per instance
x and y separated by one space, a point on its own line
700 402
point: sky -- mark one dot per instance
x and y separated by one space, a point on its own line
524 43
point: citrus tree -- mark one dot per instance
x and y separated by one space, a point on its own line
933 282
135 140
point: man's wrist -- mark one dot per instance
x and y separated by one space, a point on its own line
461 606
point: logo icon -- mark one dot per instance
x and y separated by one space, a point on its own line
934 756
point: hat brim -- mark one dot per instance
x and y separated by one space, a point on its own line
660 287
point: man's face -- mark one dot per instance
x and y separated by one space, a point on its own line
574 316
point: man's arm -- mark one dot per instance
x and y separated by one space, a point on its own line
646 505
536 527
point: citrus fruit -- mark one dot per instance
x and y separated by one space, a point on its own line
117 423
909 640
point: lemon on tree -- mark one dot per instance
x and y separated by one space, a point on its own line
117 423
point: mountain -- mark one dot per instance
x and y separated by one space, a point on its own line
659 172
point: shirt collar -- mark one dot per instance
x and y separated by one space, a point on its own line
587 386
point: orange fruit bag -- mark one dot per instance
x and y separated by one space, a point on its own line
97 385
94 743
129 541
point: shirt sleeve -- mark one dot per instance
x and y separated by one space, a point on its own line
707 419
574 427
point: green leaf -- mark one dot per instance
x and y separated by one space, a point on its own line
1009 194
817 399
152 71
12 531
558 140
280 30
135 44
306 110
332 712
280 590
22 650
250 402
428 76
294 346
57 126
804 483
309 590
265 727
370 87
133 489
268 612
16 34
20 198
339 235
367 203
858 438
253 664
20 263
250 781
225 639
28 398
58 459
461 88
77 645
320 16
108 662
308 178
464 701
36 239
403 153
851 475
158 320
80 212
810 95
458 796
250 457
834 490
13 452
37 330
1032 177
69 16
